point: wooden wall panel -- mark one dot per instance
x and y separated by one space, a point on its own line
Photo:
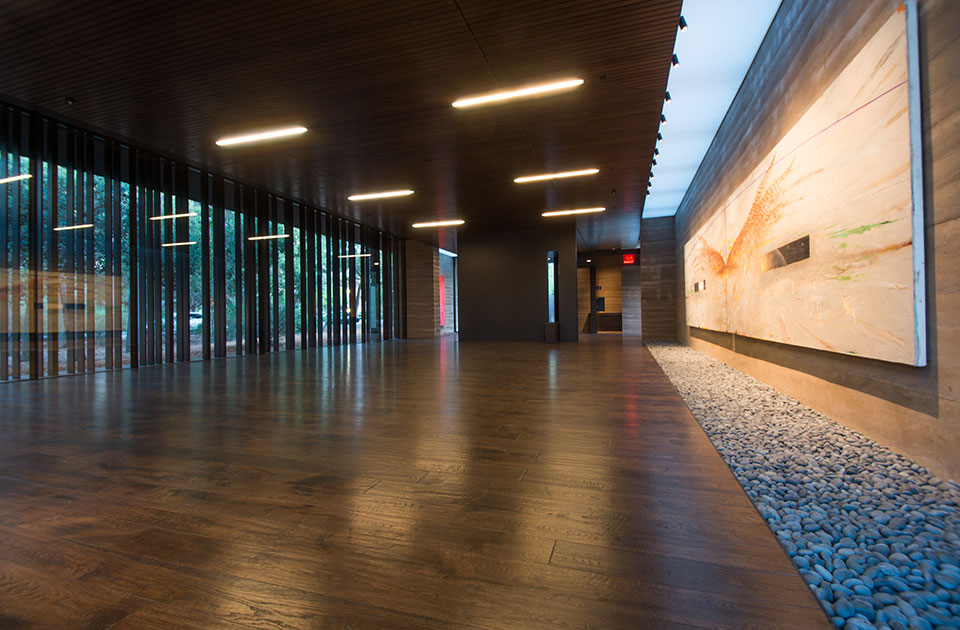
608 279
913 410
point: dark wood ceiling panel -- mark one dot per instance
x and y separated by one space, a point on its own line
373 81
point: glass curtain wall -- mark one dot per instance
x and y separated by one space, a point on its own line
112 257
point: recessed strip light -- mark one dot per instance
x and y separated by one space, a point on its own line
560 213
259 136
446 253
354 255
79 226
505 95
178 244
380 195
430 224
267 237
15 178
181 215
538 178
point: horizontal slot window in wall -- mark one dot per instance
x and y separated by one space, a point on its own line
112 256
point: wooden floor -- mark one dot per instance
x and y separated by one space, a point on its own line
396 485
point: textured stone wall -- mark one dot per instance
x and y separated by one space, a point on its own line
630 281
423 290
658 286
913 410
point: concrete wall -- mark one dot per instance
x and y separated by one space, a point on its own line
422 290
503 284
915 411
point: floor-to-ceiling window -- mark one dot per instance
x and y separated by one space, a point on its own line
112 256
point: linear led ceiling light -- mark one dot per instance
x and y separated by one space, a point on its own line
506 95
380 195
560 213
178 244
538 178
180 215
267 237
79 226
354 255
15 178
430 224
259 136
446 253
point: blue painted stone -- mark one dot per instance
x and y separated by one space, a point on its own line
824 573
899 559
946 580
865 607
895 614
840 589
825 593
917 600
856 623
907 608
844 608
810 577
895 584
937 617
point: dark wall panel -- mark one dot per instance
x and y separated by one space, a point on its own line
503 284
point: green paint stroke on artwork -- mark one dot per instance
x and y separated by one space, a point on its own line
844 278
861 229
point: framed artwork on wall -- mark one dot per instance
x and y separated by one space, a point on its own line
821 245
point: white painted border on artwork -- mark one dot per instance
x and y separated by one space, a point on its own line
916 185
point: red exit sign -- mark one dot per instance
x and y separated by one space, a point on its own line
629 259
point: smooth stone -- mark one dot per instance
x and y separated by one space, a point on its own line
844 608
946 580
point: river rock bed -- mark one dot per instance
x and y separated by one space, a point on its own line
875 536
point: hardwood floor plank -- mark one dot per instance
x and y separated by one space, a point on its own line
398 485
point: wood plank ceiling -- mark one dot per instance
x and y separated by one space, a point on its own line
374 83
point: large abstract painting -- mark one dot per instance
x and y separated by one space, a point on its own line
816 247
